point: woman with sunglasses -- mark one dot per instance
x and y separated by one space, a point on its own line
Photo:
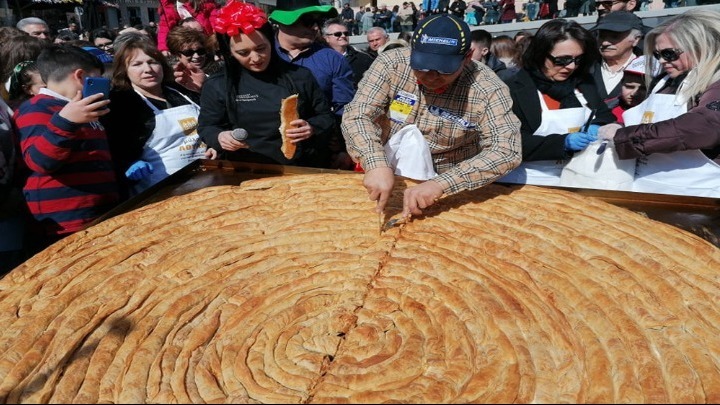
554 97
192 57
152 125
674 133
240 114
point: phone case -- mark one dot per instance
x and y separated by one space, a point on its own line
94 85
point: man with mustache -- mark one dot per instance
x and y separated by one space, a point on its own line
618 34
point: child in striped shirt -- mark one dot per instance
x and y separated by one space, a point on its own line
71 180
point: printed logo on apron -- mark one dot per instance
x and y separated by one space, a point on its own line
189 125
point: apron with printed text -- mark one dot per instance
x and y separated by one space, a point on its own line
687 172
173 144
562 121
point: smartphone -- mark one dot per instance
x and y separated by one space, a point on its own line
94 85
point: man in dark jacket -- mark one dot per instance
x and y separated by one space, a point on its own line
348 17
618 35
335 33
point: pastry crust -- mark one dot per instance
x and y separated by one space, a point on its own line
282 290
288 114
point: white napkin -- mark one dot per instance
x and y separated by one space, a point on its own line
409 155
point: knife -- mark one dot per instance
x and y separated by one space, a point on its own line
602 147
394 222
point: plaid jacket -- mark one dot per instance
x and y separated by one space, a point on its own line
473 135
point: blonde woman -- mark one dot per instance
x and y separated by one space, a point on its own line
674 132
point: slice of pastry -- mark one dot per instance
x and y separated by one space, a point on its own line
288 113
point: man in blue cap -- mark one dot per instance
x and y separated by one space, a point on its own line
461 108
298 28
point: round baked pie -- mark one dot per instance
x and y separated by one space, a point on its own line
283 290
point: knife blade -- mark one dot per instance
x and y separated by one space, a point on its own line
394 222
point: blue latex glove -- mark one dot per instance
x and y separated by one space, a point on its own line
593 130
579 140
139 170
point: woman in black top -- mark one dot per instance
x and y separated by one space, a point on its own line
249 93
152 123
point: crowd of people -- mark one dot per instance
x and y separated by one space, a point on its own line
462 108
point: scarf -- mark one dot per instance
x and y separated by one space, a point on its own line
564 91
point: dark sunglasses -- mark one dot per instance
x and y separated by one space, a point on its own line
564 60
436 71
340 34
190 52
668 54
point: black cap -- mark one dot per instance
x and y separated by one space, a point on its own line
620 21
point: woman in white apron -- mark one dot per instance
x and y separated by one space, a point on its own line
675 135
553 101
152 127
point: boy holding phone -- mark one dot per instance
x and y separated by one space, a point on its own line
71 180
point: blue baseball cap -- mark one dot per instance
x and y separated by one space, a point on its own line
439 43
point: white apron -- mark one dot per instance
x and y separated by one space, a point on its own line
687 172
173 144
562 121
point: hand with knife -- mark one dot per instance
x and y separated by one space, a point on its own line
379 183
578 141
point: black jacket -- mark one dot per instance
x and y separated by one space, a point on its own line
131 122
359 62
500 68
256 108
526 106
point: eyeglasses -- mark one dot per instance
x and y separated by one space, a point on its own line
105 46
668 54
608 3
565 60
339 34
190 52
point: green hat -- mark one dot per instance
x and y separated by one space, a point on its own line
287 12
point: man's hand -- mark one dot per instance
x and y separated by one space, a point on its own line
83 110
379 184
419 197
